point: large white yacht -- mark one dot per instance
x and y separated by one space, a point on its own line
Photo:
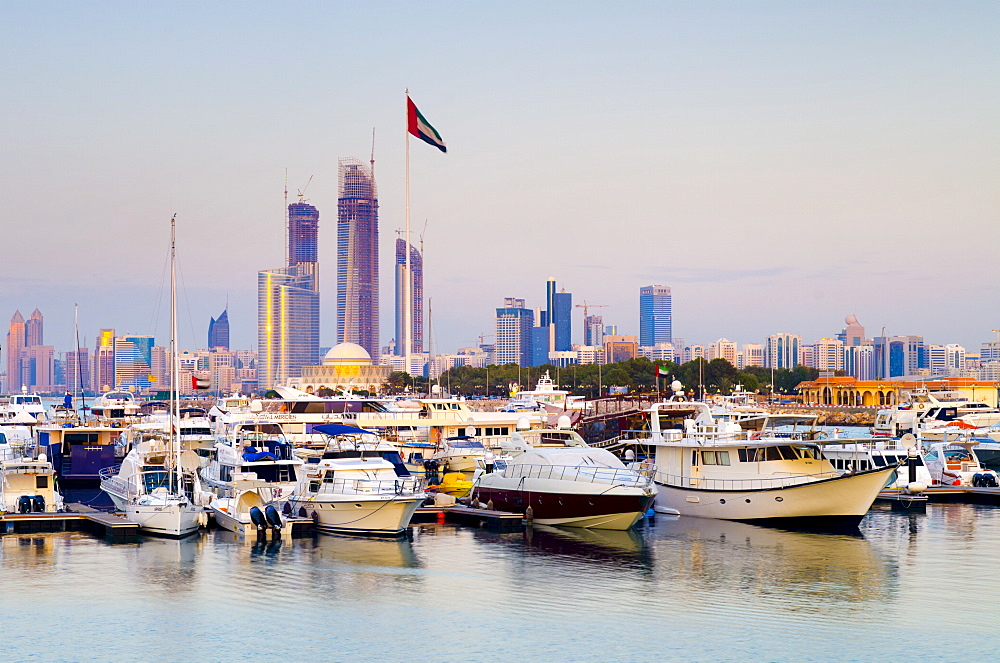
115 405
563 481
354 489
713 469
931 413
28 404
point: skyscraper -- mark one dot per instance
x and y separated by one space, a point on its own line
593 330
218 330
103 374
783 351
287 305
561 318
357 257
287 323
15 343
133 359
417 269
303 231
33 329
513 333
655 315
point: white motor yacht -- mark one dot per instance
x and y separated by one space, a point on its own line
460 454
563 481
253 466
115 405
957 464
715 470
354 489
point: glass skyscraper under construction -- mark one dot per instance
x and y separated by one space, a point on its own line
357 257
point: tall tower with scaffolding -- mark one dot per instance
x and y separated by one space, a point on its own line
357 256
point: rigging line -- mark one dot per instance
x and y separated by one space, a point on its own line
159 295
187 302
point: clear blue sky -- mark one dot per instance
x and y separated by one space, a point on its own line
780 164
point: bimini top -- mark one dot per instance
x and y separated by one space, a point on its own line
341 429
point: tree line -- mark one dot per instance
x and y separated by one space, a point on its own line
592 380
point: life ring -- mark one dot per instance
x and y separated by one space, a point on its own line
755 436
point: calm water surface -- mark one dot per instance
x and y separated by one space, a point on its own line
913 587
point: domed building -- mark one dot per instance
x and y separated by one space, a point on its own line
345 366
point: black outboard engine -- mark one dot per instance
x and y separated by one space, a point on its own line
258 518
273 517
38 504
24 504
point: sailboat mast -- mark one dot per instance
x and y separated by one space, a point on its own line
175 407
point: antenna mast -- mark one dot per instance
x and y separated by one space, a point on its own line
288 249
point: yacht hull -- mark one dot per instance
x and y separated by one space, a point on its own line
838 502
171 520
388 515
612 507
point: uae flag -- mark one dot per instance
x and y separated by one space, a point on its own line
661 372
421 128
200 383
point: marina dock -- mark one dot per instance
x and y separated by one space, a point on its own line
496 521
77 518
953 494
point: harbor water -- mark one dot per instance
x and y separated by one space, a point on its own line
914 587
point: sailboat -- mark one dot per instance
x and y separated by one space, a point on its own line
156 485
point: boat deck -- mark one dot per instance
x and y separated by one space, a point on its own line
960 494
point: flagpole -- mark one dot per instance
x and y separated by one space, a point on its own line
408 279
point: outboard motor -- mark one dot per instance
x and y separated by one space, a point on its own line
38 504
24 504
257 517
273 517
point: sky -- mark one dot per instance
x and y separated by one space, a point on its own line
779 164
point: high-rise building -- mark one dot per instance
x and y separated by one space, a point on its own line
593 330
287 323
417 270
828 355
103 374
33 329
357 257
722 349
218 330
655 316
132 361
752 354
303 231
853 334
896 356
77 370
15 343
37 368
513 333
561 319
783 351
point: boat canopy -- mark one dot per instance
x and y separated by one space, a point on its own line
340 429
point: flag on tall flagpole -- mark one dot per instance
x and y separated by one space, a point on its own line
421 128
661 372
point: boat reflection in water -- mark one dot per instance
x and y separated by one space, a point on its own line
808 571
586 543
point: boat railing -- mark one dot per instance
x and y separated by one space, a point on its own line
143 483
400 486
757 483
584 473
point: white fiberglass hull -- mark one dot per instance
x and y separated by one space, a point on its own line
174 520
840 501
465 463
379 515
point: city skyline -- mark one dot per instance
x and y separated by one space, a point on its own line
806 154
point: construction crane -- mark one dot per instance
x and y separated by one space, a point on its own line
586 306
302 191
483 337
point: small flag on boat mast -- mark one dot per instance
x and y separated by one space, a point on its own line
661 372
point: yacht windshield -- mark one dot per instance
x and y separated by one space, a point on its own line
465 444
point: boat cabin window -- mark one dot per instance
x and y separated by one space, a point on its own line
493 431
80 438
809 452
715 457
944 414
932 455
957 455
41 481
196 431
